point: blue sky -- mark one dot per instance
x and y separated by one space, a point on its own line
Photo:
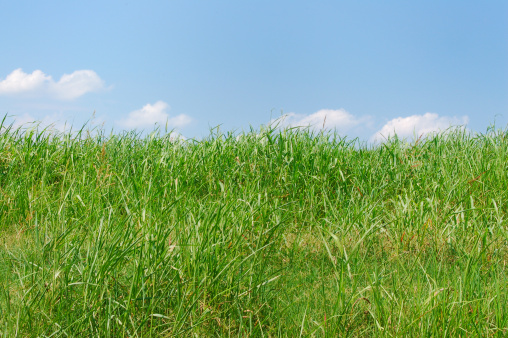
369 67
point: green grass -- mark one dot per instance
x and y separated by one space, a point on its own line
273 233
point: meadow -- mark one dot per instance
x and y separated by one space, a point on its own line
272 232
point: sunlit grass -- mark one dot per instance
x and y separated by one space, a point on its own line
274 233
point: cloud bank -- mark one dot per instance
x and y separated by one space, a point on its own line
338 119
69 87
149 115
417 124
348 124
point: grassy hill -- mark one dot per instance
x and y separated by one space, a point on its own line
270 233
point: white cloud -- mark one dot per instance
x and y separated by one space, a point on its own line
179 121
69 87
176 137
417 124
19 82
51 123
149 115
338 119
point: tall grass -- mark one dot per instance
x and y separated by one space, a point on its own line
272 233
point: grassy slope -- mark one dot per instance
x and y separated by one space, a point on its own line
278 233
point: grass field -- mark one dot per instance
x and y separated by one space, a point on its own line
272 233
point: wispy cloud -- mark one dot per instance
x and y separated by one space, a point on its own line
417 124
69 87
150 114
338 119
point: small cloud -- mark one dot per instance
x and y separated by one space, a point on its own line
176 137
179 121
20 82
417 124
51 123
150 115
338 119
69 87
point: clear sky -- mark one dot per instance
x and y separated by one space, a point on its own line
370 67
